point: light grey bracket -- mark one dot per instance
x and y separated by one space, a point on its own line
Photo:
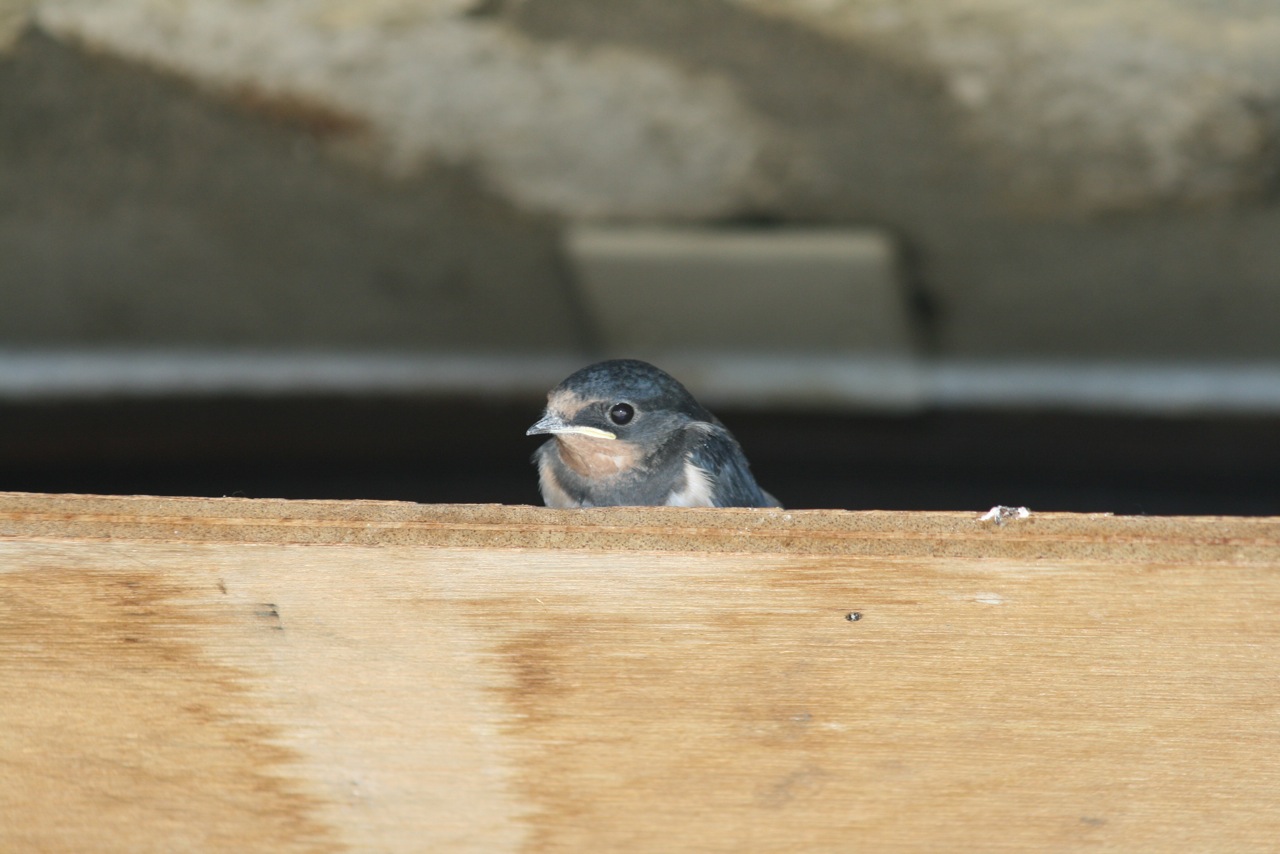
797 291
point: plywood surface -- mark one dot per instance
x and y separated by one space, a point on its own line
234 675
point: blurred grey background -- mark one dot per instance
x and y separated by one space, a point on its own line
916 254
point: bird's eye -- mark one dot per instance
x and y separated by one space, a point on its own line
621 413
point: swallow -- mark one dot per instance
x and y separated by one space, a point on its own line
626 433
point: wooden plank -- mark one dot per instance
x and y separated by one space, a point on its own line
183 674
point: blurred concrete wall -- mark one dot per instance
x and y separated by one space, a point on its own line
1084 181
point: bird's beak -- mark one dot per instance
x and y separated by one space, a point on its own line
552 423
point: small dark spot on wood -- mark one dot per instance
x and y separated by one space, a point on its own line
269 611
853 616
132 640
222 587
1092 821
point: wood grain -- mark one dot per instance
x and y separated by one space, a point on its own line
233 675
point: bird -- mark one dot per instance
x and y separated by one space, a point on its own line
625 433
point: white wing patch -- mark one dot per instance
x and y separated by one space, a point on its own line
696 491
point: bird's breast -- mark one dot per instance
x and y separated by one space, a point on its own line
597 459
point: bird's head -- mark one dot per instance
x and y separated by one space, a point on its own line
622 400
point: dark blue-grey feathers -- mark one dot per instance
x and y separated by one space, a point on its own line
632 379
720 455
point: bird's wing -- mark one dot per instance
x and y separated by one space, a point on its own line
718 454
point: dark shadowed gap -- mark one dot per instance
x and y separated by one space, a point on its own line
447 451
